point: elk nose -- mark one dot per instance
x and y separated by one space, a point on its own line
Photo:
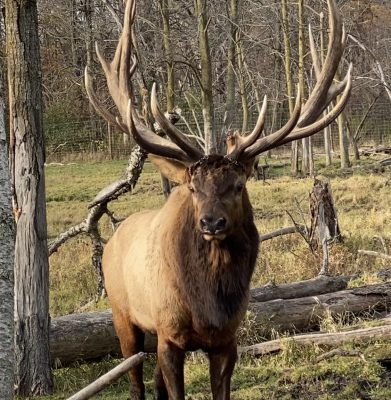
212 225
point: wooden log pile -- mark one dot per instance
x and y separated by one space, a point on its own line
91 336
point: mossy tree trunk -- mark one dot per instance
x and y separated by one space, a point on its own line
7 237
32 356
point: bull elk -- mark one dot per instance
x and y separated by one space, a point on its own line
183 272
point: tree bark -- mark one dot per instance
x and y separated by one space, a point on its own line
289 84
327 129
32 369
324 221
242 87
343 142
231 65
170 81
7 237
91 336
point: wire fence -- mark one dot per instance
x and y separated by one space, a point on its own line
93 139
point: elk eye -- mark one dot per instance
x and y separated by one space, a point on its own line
239 187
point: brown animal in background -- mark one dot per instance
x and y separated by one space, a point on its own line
183 271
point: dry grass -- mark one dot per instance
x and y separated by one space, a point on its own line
362 202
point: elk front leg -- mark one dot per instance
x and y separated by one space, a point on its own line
221 365
171 359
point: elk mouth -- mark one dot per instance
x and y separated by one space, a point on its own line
218 235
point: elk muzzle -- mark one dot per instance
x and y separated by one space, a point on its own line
213 227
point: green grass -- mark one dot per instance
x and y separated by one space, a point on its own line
362 197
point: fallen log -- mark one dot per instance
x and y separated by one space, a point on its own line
310 287
374 254
91 336
376 150
320 339
86 336
305 313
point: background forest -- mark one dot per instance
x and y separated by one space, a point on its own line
249 57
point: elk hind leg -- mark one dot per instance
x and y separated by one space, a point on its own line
131 339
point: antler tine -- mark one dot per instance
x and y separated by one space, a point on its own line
300 133
316 102
99 107
324 92
171 131
276 138
151 142
118 73
247 141
336 88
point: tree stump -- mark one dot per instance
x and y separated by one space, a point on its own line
324 221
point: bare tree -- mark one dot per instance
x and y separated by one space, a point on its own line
288 76
206 76
232 11
32 369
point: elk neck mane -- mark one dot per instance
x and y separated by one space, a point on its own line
212 276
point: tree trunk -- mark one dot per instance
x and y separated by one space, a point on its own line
32 369
7 237
206 77
305 162
343 142
170 82
327 129
289 84
242 87
231 64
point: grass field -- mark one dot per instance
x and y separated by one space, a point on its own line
362 197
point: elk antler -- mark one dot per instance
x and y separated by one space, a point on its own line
118 74
324 92
302 123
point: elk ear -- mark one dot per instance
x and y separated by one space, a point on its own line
173 170
249 166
